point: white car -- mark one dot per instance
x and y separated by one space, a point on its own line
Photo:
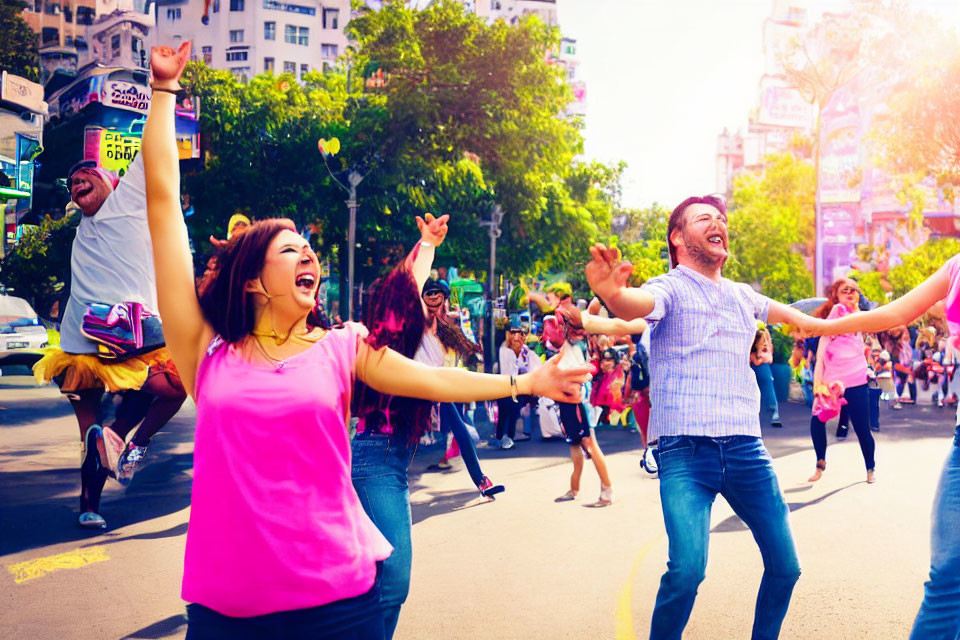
21 333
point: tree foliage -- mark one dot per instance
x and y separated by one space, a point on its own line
771 228
18 44
37 269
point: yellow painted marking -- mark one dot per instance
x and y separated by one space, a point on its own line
624 617
30 569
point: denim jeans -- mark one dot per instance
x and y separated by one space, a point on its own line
452 419
939 615
693 470
768 392
356 618
380 478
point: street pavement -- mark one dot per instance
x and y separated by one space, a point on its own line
519 567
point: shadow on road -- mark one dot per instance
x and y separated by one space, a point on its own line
40 507
734 523
165 628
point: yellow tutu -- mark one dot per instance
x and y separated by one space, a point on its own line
84 371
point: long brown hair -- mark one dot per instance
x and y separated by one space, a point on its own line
225 303
833 297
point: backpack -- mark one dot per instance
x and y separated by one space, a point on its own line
640 369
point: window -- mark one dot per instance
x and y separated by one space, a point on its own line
289 67
207 55
236 35
290 34
50 35
68 40
304 37
236 56
173 14
331 18
236 5
136 44
292 8
269 30
216 6
85 15
68 13
240 73
51 8
328 50
115 44
268 64
38 5
304 70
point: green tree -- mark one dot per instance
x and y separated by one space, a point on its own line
37 269
771 228
644 242
18 45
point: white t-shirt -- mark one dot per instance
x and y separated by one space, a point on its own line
112 260
512 364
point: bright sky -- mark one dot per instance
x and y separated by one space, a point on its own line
664 77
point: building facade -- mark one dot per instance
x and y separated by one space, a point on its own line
250 37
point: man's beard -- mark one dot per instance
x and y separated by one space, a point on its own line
701 255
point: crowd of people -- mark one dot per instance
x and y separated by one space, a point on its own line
305 530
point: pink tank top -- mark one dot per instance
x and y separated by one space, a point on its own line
275 523
844 360
953 300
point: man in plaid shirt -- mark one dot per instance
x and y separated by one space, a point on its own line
706 407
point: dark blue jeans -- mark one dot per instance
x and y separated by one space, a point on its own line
452 419
768 392
356 618
939 615
380 478
693 470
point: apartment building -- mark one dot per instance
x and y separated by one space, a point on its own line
250 37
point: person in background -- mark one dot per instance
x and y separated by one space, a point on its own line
516 358
761 357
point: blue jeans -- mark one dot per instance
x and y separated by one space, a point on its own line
939 615
693 470
768 392
380 478
356 618
452 419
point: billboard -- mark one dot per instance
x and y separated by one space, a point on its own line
784 107
126 95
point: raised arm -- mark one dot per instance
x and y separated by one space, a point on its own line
780 313
184 329
390 373
597 324
901 311
607 275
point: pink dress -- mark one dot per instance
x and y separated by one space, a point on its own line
953 300
843 360
275 523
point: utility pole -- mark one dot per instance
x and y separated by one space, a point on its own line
493 230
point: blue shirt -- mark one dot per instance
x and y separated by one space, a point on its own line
701 383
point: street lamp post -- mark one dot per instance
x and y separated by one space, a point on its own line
493 230
353 179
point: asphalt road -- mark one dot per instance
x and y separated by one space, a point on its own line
520 567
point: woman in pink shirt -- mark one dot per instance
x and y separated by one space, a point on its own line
841 359
278 545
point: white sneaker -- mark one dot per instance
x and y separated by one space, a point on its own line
507 443
649 461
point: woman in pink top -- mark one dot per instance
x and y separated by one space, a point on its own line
278 545
939 615
841 359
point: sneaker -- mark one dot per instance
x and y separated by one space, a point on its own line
488 489
522 438
507 443
842 432
127 464
649 462
493 443
940 404
91 520
897 405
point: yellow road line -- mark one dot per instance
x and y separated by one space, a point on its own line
624 617
30 569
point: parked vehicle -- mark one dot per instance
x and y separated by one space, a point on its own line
21 333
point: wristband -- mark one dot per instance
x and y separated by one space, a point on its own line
604 305
175 92
513 388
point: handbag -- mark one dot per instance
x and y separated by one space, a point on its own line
122 330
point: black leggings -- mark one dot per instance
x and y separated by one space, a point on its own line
858 408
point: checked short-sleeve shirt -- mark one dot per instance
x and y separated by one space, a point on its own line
701 383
